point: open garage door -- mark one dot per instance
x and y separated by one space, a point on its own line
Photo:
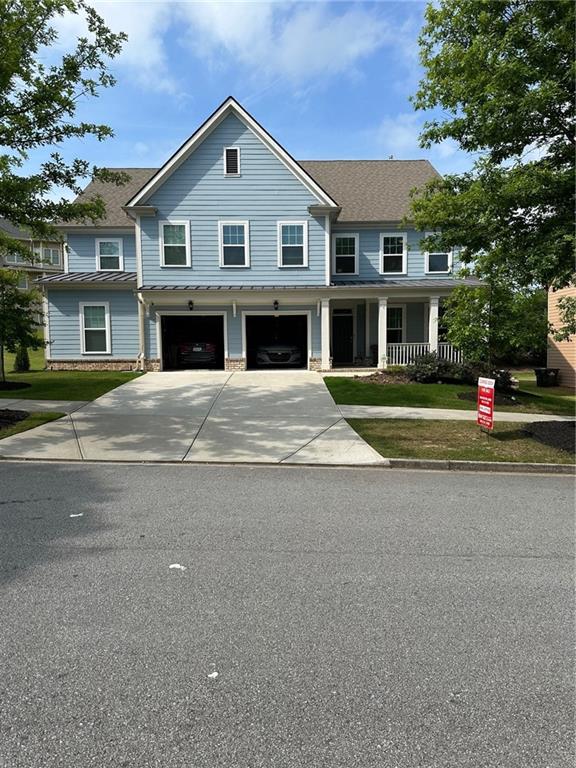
192 341
276 341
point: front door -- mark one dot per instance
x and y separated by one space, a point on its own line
342 337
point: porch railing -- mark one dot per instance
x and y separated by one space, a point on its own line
403 354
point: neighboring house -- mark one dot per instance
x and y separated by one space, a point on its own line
234 249
46 256
561 354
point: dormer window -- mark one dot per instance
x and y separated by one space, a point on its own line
232 161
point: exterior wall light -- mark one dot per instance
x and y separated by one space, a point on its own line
190 305
275 305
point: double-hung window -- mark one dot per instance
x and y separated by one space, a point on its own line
395 325
393 253
234 244
232 161
345 254
95 328
51 256
437 261
174 244
292 244
109 256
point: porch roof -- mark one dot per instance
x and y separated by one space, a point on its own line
409 284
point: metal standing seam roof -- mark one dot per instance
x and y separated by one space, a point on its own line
366 190
90 277
408 284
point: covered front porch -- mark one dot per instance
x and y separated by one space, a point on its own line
376 333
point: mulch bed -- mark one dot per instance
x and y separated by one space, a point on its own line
385 377
556 434
499 398
5 386
9 417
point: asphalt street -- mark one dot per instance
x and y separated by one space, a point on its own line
318 617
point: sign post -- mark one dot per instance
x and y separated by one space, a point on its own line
485 414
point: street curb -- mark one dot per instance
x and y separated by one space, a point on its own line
483 466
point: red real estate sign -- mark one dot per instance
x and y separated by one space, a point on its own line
485 417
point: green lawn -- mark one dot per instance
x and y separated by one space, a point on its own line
350 391
456 440
61 385
33 420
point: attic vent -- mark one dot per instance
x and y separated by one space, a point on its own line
232 161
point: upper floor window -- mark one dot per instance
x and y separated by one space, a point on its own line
232 161
23 280
108 255
234 244
438 262
174 244
393 253
292 244
345 254
95 328
51 256
12 258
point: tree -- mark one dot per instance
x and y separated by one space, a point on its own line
495 324
503 74
18 311
38 105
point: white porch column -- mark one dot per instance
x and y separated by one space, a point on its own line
325 333
382 332
433 323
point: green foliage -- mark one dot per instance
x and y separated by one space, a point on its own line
38 104
567 311
430 369
21 360
18 308
503 76
497 323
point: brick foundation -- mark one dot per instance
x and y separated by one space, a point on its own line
234 364
315 364
152 364
92 365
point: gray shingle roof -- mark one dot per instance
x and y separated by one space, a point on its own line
367 190
371 190
90 277
12 231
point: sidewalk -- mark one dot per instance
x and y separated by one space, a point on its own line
440 414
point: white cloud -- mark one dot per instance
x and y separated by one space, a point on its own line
296 41
144 53
398 136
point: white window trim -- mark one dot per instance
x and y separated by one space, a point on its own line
304 225
186 225
441 271
246 225
404 318
106 306
356 237
118 241
237 150
404 237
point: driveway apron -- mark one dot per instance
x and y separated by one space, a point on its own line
203 416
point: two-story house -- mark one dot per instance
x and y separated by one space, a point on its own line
236 251
46 257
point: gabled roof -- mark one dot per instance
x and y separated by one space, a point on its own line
228 107
371 190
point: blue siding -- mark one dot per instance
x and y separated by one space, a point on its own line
415 319
369 254
64 322
82 251
265 193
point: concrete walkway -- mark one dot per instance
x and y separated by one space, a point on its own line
278 417
434 414
49 406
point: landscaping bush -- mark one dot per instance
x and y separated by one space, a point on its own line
431 369
21 360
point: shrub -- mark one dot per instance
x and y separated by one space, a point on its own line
21 360
429 368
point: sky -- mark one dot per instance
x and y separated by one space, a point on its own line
328 79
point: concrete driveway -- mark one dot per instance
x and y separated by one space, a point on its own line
278 417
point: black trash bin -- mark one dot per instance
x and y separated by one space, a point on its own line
546 377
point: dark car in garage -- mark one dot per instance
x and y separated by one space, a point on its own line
278 355
195 354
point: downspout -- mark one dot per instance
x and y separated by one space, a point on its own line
140 364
